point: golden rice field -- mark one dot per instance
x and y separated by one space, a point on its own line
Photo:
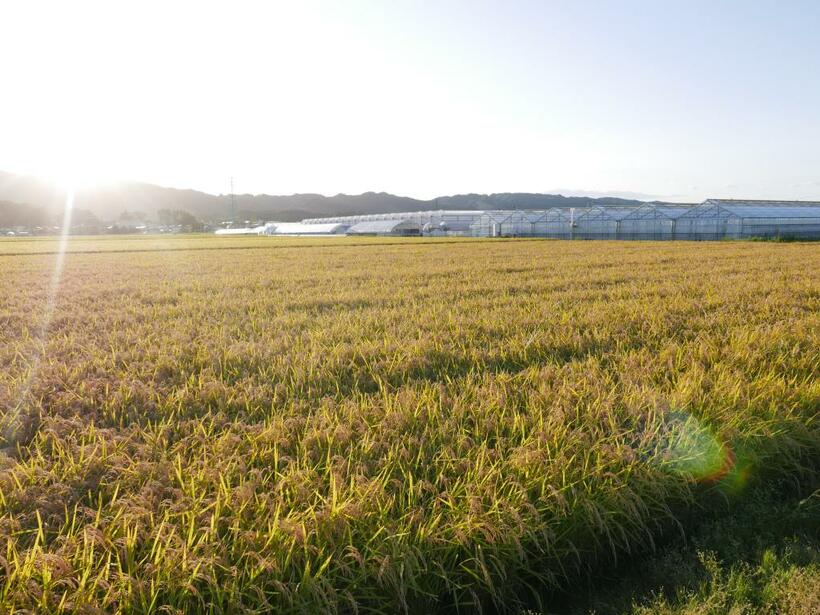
378 426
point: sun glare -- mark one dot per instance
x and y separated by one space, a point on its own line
77 160
77 177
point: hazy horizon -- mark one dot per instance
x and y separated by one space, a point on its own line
112 182
634 99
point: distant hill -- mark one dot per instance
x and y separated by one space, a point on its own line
144 200
19 214
527 200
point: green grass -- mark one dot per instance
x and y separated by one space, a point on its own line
760 554
250 424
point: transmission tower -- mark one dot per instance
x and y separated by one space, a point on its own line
233 203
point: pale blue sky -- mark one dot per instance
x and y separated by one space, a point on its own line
674 100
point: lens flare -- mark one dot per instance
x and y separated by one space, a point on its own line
11 422
685 446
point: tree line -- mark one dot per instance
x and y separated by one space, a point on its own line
32 217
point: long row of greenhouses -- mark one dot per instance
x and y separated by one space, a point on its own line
712 219
709 220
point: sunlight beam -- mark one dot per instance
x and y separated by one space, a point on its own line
11 421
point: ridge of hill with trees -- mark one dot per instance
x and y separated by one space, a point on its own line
29 201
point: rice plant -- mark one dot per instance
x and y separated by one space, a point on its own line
381 426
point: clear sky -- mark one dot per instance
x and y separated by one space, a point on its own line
678 100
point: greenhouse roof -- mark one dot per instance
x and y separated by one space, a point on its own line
552 214
525 214
355 218
299 228
619 213
650 211
760 203
711 208
382 226
497 216
605 213
777 211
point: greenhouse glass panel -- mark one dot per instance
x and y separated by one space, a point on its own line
554 223
594 223
704 222
518 224
649 222
489 224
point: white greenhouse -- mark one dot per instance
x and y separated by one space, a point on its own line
711 220
398 228
300 228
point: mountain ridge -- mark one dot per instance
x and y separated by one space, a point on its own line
140 199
